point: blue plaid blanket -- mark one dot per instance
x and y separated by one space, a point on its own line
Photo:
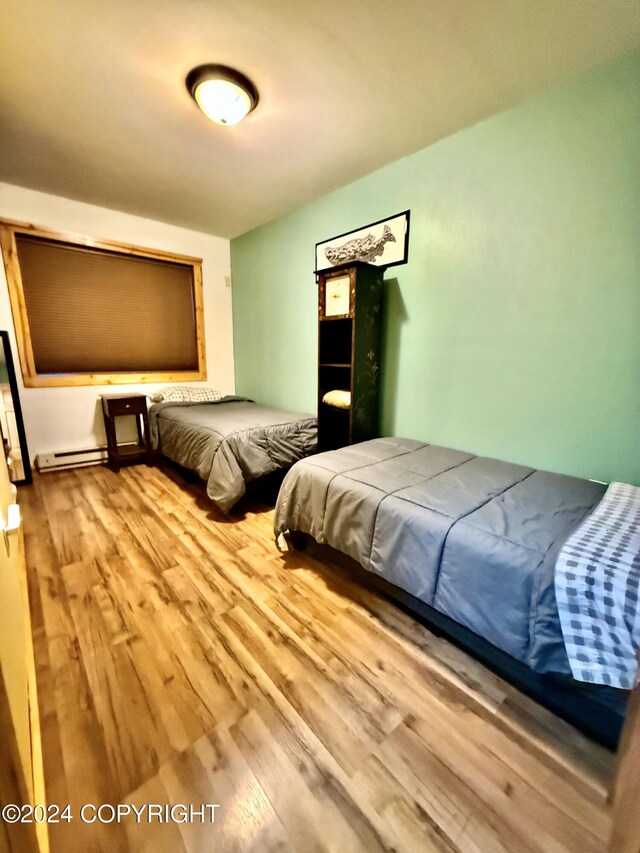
597 578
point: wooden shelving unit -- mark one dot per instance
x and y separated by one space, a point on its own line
349 352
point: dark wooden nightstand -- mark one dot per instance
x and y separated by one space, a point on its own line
117 405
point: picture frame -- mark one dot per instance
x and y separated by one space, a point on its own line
384 243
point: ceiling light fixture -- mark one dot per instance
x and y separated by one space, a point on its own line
223 94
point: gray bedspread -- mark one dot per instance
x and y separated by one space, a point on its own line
230 442
475 538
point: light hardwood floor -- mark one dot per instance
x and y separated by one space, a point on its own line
183 659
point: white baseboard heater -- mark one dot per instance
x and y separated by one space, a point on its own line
62 459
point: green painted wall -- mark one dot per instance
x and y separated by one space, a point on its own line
514 330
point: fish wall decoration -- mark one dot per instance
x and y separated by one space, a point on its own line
365 249
384 243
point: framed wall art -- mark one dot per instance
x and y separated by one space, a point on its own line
384 244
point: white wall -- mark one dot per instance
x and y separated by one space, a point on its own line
70 418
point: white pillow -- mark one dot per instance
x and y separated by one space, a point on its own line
186 394
339 399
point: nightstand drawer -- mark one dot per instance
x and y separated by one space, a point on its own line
124 405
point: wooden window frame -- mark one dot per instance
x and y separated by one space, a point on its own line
33 379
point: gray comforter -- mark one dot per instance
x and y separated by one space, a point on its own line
230 442
475 538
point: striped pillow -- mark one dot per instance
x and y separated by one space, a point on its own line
186 394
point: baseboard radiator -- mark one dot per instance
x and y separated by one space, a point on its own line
62 459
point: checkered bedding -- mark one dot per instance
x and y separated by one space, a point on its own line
597 580
187 394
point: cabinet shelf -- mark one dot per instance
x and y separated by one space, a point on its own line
345 409
349 355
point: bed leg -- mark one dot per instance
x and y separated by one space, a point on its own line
297 539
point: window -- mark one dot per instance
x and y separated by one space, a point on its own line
89 312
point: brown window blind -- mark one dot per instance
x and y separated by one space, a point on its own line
102 311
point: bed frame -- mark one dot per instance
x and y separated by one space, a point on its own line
598 712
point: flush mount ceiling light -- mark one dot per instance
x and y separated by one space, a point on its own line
223 94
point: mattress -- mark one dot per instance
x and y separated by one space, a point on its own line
230 442
473 537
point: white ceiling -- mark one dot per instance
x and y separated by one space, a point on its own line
93 104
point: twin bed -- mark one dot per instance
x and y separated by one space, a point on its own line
469 544
229 441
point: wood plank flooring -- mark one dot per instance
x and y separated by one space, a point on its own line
183 659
